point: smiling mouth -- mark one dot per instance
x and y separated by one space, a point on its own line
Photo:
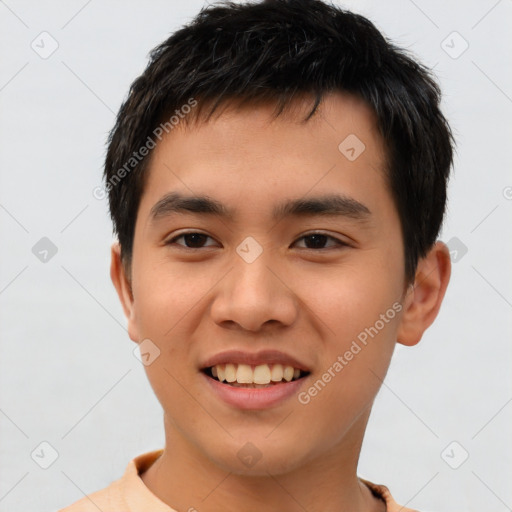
254 376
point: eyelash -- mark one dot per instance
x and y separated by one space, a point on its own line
339 243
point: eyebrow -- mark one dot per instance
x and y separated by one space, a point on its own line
325 205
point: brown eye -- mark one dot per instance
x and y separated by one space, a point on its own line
318 241
193 240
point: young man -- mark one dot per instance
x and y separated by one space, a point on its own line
277 181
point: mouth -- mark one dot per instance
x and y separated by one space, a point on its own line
254 376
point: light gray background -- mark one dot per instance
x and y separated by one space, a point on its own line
68 375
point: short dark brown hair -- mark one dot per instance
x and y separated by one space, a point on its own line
277 51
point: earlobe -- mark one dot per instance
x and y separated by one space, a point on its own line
423 301
123 287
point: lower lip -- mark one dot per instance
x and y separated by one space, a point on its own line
254 398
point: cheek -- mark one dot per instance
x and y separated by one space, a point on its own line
163 319
346 300
354 363
164 296
164 303
359 312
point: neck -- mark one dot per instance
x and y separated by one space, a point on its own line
187 480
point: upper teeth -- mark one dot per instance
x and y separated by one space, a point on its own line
261 374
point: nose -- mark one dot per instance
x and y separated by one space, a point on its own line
255 296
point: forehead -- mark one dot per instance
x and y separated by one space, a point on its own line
248 156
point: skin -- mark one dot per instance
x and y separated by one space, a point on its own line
308 302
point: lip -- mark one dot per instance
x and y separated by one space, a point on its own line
254 398
254 359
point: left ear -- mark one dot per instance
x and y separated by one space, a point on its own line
424 298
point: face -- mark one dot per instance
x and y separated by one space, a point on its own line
297 260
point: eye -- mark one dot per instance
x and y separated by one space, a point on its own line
318 240
193 238
196 240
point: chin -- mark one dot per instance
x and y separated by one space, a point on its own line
258 458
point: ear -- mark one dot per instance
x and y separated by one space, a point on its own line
423 299
123 287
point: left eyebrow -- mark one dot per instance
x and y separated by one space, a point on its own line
325 205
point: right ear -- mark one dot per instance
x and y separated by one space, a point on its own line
124 290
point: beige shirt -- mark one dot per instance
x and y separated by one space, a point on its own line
130 494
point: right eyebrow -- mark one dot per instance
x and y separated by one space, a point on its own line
174 202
